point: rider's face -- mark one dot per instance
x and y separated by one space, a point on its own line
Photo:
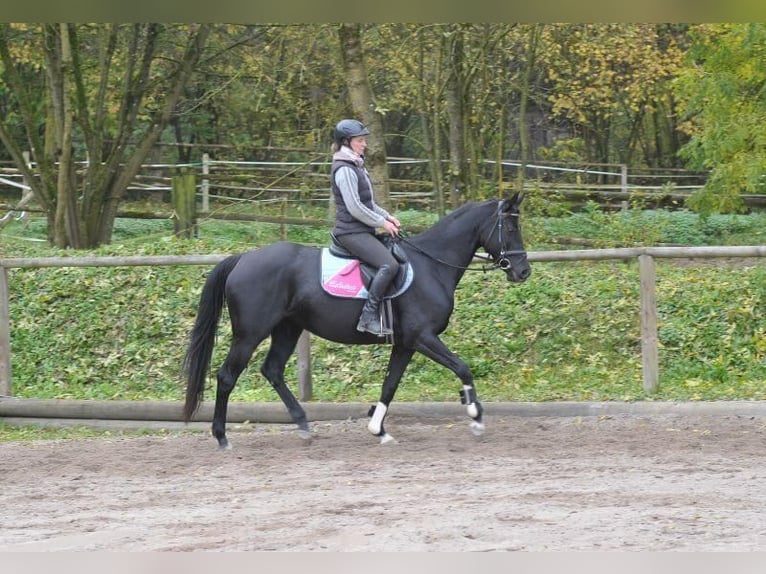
358 144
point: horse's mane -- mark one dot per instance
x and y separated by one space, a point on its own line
453 216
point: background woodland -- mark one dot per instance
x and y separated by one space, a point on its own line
92 102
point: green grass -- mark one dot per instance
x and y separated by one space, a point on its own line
652 227
571 332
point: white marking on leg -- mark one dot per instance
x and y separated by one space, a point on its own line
376 422
473 411
477 428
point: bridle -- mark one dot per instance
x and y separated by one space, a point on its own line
502 261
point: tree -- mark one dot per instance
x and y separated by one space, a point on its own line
606 79
530 62
110 91
407 75
363 106
455 97
723 94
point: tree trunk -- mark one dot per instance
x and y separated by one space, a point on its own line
118 185
66 232
525 143
116 141
429 122
363 106
455 105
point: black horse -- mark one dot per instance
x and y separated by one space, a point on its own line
275 291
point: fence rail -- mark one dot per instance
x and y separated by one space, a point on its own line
409 180
410 185
645 256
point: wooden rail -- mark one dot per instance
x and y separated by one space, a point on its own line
645 256
576 181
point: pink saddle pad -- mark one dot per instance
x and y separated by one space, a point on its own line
346 281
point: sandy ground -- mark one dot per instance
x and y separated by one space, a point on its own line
659 482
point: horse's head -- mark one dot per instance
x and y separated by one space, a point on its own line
503 241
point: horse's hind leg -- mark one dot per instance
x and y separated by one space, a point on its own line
239 354
284 337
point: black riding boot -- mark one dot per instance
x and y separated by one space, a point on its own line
369 320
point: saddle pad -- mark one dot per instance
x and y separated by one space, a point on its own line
343 277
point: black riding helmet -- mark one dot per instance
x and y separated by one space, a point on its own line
347 129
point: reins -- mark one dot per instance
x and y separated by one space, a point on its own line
484 268
502 262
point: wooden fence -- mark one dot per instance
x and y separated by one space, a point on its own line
646 260
409 180
230 182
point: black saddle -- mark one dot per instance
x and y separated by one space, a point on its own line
368 271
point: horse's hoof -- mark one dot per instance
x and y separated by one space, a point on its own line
224 445
477 428
305 436
387 439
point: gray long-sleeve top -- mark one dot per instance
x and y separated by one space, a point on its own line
347 182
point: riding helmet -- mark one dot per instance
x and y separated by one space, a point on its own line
347 129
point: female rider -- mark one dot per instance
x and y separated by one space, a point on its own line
357 216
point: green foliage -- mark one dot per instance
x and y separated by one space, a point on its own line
721 91
651 227
564 150
109 93
542 203
571 332
724 355
606 78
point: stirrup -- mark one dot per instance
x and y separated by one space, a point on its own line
374 327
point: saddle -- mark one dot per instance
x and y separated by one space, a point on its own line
343 275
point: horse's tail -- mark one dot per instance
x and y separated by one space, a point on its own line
202 338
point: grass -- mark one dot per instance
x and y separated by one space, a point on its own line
571 332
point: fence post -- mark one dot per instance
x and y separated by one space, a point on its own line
649 353
305 390
184 203
27 155
205 183
625 204
5 336
624 178
282 226
26 194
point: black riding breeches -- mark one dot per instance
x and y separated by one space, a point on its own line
369 249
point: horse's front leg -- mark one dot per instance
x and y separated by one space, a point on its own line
397 363
473 406
433 348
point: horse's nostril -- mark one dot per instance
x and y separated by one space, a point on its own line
526 273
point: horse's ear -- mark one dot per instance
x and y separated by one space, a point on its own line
513 202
